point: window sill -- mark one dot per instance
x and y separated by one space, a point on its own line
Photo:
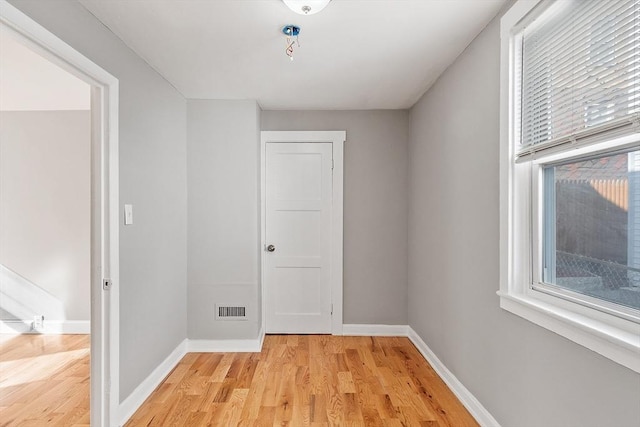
614 343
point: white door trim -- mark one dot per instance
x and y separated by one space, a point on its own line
337 139
104 205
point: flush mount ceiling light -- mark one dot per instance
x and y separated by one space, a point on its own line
306 7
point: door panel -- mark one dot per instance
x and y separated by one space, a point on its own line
298 224
303 236
294 299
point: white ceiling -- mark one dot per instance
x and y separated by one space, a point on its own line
355 54
29 82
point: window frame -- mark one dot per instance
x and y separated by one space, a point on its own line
616 337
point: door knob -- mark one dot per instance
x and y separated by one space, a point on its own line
271 248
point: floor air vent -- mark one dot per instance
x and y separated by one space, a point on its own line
225 312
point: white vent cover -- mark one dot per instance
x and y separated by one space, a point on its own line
231 312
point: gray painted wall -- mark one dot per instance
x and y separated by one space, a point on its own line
375 207
45 213
523 374
153 263
224 215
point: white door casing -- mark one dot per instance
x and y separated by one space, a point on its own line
302 218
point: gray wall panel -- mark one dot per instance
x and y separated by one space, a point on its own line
224 216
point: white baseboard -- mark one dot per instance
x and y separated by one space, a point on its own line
17 327
375 330
479 412
131 404
227 346
261 336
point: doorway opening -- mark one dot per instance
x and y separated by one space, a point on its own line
45 232
58 225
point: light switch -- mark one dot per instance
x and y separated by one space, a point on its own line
128 214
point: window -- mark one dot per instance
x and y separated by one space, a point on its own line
590 247
570 171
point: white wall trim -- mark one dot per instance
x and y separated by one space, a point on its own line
337 139
479 412
358 330
131 404
227 346
261 336
17 327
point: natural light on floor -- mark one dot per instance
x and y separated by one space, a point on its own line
40 368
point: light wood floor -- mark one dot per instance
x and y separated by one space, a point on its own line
44 380
308 380
297 380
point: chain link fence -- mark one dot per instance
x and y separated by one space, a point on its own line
611 275
605 280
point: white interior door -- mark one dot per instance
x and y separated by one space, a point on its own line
298 237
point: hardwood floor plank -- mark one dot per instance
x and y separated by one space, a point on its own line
345 383
265 416
44 380
335 409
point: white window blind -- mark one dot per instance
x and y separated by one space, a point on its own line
580 72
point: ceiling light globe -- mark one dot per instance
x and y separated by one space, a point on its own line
306 7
